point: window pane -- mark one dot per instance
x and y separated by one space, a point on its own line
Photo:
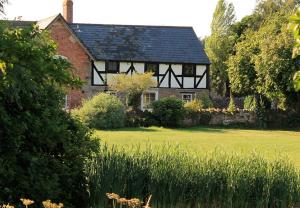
112 66
187 97
188 70
148 99
152 68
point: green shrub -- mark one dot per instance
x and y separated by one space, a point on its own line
231 106
43 151
194 106
178 178
138 118
168 112
204 118
103 111
206 101
250 103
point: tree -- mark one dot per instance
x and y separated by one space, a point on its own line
262 64
132 86
219 45
295 27
43 150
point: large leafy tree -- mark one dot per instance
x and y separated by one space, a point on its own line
295 27
220 44
43 151
262 64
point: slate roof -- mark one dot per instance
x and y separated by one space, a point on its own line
162 44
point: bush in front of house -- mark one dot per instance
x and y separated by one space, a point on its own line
103 111
206 101
169 111
138 118
250 103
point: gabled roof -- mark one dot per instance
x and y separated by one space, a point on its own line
163 44
44 23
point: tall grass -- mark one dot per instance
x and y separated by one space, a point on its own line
177 178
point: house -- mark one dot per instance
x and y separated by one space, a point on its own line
98 52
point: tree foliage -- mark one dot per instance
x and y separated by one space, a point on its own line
295 28
43 150
219 45
132 86
262 62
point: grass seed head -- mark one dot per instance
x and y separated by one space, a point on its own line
26 202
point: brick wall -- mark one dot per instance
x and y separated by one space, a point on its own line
70 47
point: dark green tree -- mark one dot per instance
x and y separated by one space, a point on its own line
219 46
295 28
43 151
262 63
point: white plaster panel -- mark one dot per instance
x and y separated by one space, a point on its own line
188 82
124 66
163 68
200 69
165 82
174 83
203 82
177 68
97 80
100 65
139 67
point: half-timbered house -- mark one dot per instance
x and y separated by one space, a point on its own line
98 52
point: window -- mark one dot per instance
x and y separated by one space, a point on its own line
151 67
112 66
147 99
188 70
187 97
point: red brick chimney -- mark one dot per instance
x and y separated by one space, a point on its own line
68 10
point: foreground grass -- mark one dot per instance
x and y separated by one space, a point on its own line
179 178
201 139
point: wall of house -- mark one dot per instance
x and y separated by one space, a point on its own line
169 76
71 48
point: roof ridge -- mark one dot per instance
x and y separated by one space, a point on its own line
159 26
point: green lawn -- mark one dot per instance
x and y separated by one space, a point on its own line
266 142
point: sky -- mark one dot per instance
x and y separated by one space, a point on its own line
195 13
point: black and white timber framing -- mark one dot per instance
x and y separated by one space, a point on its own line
168 76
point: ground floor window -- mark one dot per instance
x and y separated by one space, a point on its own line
148 98
187 97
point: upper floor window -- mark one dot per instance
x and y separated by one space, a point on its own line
112 66
151 67
188 70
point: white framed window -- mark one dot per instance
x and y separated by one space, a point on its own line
147 99
187 97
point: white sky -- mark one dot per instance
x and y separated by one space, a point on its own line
196 13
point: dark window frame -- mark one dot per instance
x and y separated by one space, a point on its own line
146 69
115 71
184 71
